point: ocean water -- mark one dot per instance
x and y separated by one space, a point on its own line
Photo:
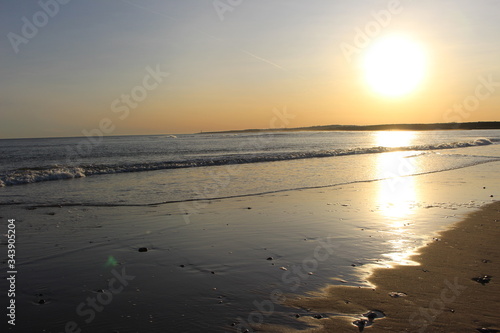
129 170
212 208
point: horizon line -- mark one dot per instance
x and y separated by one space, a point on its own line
322 128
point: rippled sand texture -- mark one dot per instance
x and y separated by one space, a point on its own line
456 287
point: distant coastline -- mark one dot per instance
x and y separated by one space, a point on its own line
387 127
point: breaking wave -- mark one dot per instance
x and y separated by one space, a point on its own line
58 172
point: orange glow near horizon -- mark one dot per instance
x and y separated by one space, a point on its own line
418 69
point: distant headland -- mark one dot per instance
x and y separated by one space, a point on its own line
483 125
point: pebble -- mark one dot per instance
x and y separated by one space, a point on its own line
374 314
361 323
397 294
143 249
283 268
270 258
482 279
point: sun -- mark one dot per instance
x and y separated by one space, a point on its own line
395 65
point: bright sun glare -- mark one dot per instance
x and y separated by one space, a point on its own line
394 66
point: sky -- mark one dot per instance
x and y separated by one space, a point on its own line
127 67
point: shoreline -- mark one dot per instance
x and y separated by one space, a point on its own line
438 295
215 270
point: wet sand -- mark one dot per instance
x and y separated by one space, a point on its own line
439 295
212 273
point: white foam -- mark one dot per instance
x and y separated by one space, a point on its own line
57 172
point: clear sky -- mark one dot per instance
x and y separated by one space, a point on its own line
153 67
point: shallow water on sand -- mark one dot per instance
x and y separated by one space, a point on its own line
212 269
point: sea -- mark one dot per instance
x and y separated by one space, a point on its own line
212 225
150 169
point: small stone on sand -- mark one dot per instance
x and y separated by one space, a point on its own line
397 294
374 314
361 323
482 279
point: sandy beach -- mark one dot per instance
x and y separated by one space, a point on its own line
250 262
454 289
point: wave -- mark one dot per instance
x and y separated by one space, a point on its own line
58 172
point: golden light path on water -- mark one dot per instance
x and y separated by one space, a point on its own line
397 193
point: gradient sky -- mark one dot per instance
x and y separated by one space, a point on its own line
232 73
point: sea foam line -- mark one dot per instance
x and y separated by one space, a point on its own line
243 195
58 172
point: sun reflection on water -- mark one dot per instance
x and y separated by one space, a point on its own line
393 139
397 190
397 194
